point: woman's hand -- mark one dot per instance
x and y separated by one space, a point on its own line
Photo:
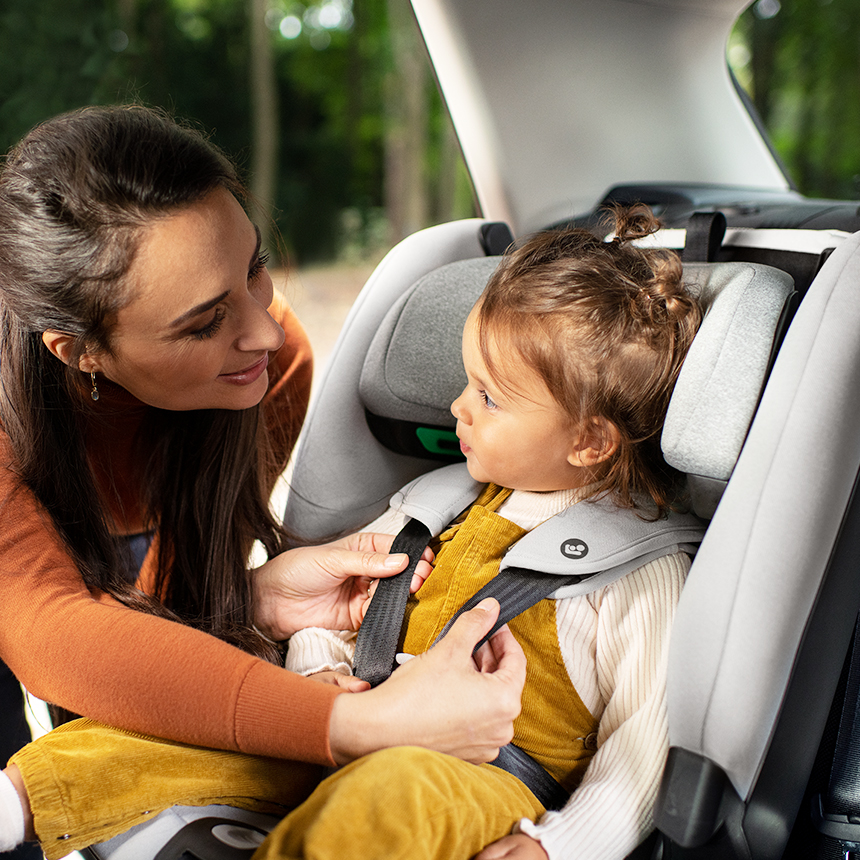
326 586
441 700
515 847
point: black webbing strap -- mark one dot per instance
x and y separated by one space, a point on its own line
705 232
516 589
520 764
837 814
376 644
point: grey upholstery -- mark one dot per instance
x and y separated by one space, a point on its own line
721 381
343 477
758 593
413 368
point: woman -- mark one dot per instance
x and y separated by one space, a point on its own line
148 387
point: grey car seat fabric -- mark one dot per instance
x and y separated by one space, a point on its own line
767 613
332 494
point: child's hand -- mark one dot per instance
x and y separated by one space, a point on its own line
346 682
516 847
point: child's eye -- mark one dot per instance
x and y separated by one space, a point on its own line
210 329
488 401
258 265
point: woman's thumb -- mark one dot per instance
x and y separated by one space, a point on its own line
472 626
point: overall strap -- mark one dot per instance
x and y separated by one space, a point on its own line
376 643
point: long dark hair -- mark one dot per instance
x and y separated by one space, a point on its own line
75 195
606 325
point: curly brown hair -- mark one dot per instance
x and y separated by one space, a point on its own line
606 325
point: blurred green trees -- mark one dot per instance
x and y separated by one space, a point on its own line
300 94
799 60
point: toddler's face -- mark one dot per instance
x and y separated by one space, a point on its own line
514 435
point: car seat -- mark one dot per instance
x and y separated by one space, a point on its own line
767 614
380 416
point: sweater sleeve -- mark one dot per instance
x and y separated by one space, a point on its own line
95 657
612 809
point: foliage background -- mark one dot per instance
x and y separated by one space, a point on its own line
799 60
352 148
336 132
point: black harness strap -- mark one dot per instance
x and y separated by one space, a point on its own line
376 644
705 232
516 589
539 782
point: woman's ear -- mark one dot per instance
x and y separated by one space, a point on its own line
597 440
61 345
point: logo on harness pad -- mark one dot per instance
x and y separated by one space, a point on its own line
574 548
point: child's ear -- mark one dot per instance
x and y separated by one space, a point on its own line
61 345
597 440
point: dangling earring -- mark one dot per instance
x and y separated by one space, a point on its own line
95 392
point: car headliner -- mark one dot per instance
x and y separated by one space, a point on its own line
557 101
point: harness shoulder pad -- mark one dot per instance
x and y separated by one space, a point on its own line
601 543
437 497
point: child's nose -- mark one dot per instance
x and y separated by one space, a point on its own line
458 408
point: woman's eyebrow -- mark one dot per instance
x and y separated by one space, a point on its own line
199 309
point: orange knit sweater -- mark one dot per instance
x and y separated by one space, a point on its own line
89 654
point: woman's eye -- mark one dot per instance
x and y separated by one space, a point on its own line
210 329
488 401
258 265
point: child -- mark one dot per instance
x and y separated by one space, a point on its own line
571 356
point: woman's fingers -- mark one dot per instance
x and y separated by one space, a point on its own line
440 699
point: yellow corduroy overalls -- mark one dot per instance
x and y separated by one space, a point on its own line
414 803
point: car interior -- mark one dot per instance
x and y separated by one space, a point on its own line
560 109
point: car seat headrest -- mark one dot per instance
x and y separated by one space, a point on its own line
721 381
413 369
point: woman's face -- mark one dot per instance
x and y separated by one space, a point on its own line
197 333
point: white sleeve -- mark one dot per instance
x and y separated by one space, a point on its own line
612 809
315 650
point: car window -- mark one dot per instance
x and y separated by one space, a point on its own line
799 62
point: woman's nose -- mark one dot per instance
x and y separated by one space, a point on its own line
261 331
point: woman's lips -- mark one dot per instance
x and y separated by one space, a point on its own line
249 374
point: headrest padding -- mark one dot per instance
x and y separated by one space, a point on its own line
721 381
413 370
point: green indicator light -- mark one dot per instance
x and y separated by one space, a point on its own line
439 441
